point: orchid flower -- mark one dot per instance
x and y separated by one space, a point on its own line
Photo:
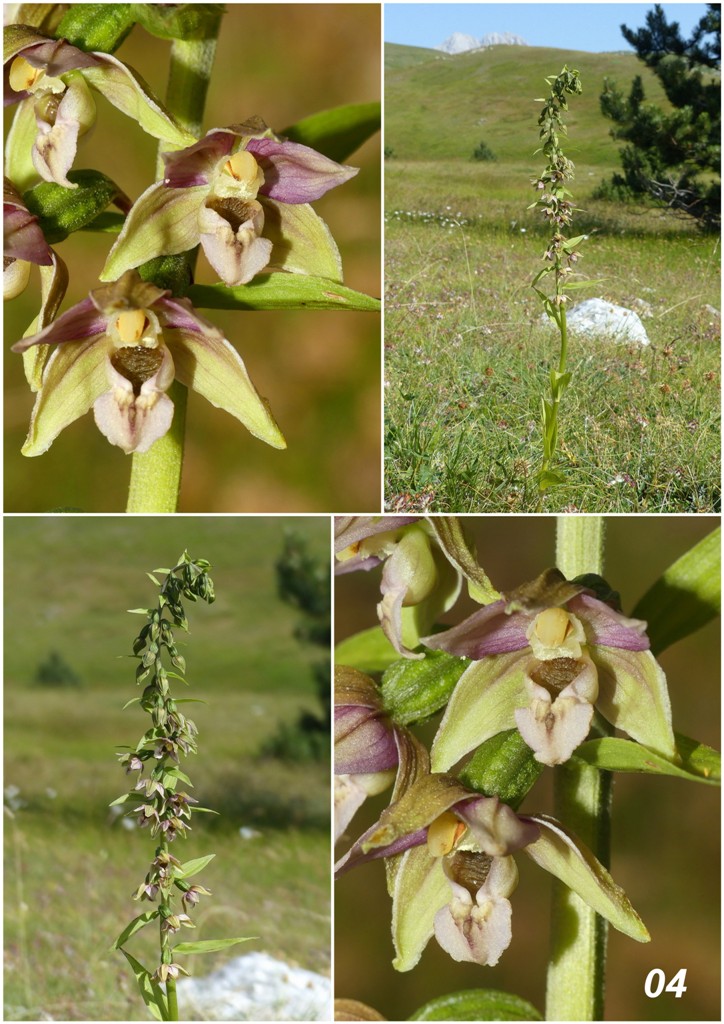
118 352
243 194
542 660
51 80
370 751
421 577
451 871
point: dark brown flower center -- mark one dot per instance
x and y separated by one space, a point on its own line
137 364
235 211
556 674
469 869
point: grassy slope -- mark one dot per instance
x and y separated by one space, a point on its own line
441 109
70 870
466 359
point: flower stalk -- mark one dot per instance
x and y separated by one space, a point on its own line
582 794
560 256
155 481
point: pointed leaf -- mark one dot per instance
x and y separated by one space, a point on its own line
561 853
151 991
133 700
19 166
283 291
477 1004
337 133
368 651
192 867
122 799
209 945
699 763
686 597
135 926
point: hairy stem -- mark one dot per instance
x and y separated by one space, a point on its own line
577 964
156 474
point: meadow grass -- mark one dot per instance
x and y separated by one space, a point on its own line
468 353
70 864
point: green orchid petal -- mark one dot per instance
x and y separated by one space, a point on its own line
420 890
75 376
482 705
53 284
161 221
19 165
127 91
303 243
209 364
634 697
564 856
451 538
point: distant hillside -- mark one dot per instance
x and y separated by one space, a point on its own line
400 57
439 106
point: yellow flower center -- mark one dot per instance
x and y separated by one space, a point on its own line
130 325
244 169
552 626
23 75
443 833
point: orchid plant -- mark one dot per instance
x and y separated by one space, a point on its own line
241 193
561 255
165 808
537 679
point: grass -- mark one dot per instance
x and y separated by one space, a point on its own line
468 353
70 865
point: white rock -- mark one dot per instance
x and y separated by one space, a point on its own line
256 987
601 319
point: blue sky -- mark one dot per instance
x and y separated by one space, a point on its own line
567 26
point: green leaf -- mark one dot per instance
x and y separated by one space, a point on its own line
135 926
686 597
122 799
368 651
699 763
283 291
96 26
477 1004
209 945
151 991
337 133
61 211
192 867
413 690
503 766
550 478
133 700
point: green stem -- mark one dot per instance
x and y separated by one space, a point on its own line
577 964
156 474
171 999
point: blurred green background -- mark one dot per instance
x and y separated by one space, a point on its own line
665 832
70 865
319 369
